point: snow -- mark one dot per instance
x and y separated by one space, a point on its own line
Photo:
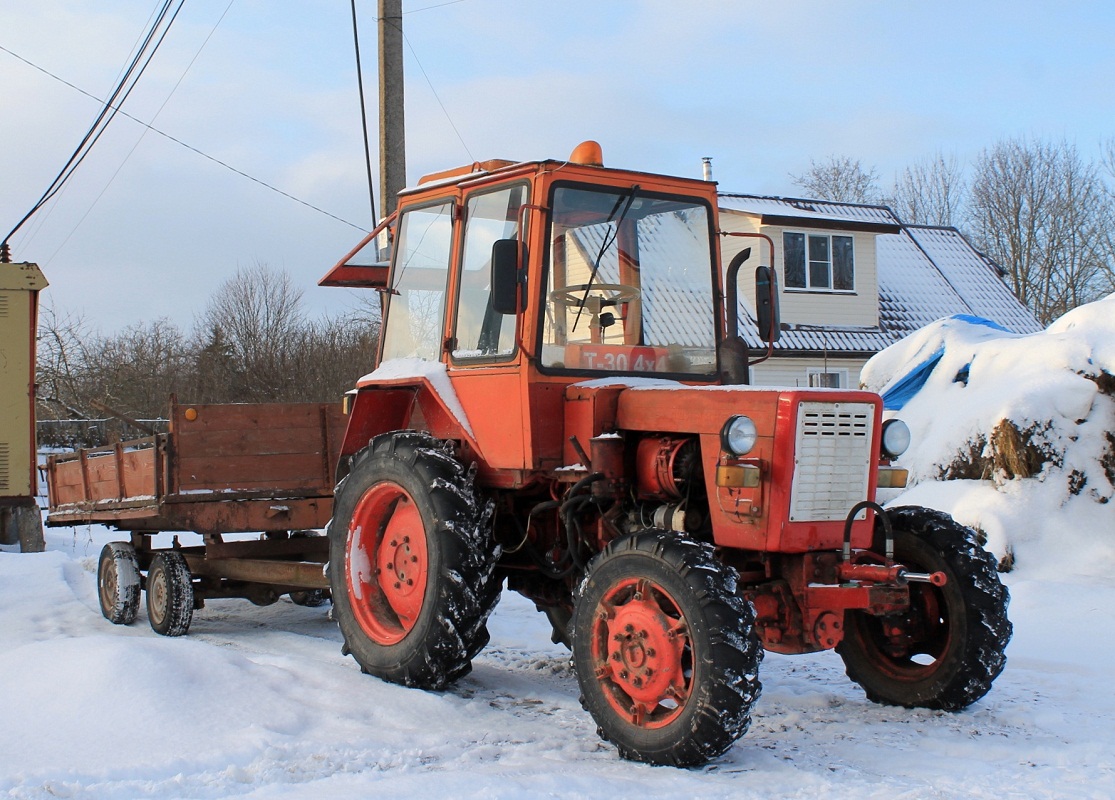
260 703
433 373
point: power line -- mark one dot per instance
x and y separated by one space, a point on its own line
120 94
180 143
135 146
444 110
439 5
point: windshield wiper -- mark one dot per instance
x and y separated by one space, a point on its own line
609 239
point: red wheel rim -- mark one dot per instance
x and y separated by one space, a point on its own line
642 653
386 563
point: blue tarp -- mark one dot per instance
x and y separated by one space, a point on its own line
900 393
910 384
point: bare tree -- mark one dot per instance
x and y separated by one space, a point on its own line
60 364
840 179
255 323
930 192
1041 212
135 370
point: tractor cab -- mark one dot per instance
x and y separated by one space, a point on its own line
510 281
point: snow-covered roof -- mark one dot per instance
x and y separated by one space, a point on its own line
974 277
817 211
924 273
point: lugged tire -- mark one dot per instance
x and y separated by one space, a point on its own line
118 583
170 594
423 520
654 582
956 634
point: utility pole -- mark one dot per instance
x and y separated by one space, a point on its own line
392 141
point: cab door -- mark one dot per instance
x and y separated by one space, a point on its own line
484 356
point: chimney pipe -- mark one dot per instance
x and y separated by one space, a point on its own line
706 167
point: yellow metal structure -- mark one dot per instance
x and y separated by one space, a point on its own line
20 285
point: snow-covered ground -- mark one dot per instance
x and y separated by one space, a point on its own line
259 702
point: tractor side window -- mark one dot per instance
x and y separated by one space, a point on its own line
481 332
416 308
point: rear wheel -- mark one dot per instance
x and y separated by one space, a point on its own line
665 650
412 576
170 594
946 650
118 583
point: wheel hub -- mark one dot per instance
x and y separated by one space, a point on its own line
641 643
387 562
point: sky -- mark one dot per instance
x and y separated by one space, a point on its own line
148 229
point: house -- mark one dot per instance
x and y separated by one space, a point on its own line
853 279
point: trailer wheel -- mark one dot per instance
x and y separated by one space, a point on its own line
118 583
170 594
947 649
413 558
665 650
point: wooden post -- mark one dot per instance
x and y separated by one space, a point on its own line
392 140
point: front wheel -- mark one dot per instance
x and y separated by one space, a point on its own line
948 647
412 562
665 650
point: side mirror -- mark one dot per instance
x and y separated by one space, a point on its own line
766 304
506 271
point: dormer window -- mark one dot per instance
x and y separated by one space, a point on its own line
818 262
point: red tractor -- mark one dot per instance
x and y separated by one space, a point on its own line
560 405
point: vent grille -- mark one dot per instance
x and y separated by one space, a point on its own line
5 467
4 298
832 460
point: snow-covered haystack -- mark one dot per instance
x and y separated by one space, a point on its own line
1022 427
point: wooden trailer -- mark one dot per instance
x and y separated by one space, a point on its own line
263 468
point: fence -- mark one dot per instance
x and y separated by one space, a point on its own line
70 434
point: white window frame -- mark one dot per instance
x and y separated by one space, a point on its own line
842 374
808 287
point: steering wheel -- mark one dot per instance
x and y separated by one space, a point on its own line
612 294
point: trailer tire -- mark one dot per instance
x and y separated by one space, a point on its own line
118 583
955 635
665 650
413 562
170 594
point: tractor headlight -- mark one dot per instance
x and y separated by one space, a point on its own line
896 438
738 435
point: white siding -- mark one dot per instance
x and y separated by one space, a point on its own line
794 372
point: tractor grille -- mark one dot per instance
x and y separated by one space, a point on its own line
832 461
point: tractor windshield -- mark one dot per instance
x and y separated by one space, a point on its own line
629 287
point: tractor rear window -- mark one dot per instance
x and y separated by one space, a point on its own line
630 284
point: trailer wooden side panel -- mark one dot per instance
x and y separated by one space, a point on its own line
221 468
126 472
256 447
